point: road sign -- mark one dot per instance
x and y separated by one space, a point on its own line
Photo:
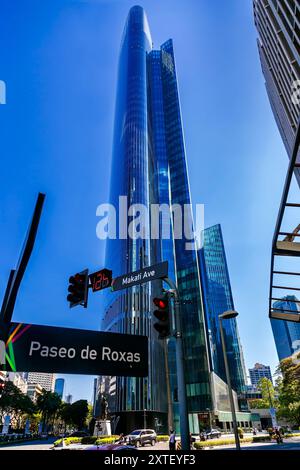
36 348
101 279
158 271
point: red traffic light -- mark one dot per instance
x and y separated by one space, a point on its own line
162 314
160 303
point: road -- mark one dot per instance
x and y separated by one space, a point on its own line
288 444
43 444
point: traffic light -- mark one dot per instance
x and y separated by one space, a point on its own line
2 385
78 289
163 315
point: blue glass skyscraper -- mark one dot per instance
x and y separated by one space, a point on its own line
149 167
286 333
59 387
217 298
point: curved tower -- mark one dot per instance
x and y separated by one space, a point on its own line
129 311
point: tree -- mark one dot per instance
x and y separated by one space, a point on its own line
79 413
267 390
65 413
288 386
48 403
16 404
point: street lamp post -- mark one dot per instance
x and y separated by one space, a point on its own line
226 316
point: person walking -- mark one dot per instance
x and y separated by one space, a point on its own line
172 440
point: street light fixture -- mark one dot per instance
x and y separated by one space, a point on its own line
227 316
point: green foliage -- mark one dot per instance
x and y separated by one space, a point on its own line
78 413
48 403
87 440
268 399
162 438
288 387
224 442
68 441
106 440
16 404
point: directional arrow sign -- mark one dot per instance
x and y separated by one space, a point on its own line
157 271
36 348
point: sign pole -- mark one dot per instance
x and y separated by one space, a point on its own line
184 421
16 276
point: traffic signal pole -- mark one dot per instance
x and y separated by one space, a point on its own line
16 276
182 398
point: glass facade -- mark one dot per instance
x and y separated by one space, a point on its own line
286 334
149 166
217 297
277 23
59 387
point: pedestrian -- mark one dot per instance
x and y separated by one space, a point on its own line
172 440
278 436
192 440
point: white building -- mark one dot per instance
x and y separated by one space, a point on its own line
18 379
46 381
34 390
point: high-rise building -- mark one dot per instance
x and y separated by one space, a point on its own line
59 387
259 371
46 381
286 333
217 298
149 166
278 26
69 399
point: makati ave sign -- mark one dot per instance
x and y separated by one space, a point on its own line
157 271
37 348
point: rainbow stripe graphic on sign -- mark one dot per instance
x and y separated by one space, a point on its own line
14 335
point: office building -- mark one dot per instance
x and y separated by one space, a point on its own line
46 381
149 166
258 372
286 333
59 387
69 399
278 26
217 298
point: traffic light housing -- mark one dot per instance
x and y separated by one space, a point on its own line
2 385
78 289
163 325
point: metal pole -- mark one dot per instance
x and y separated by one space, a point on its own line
145 423
184 421
169 397
235 429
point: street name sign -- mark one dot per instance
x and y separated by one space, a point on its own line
37 348
157 271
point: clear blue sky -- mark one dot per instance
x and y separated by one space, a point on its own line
59 61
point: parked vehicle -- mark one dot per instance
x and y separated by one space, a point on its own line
140 437
212 434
